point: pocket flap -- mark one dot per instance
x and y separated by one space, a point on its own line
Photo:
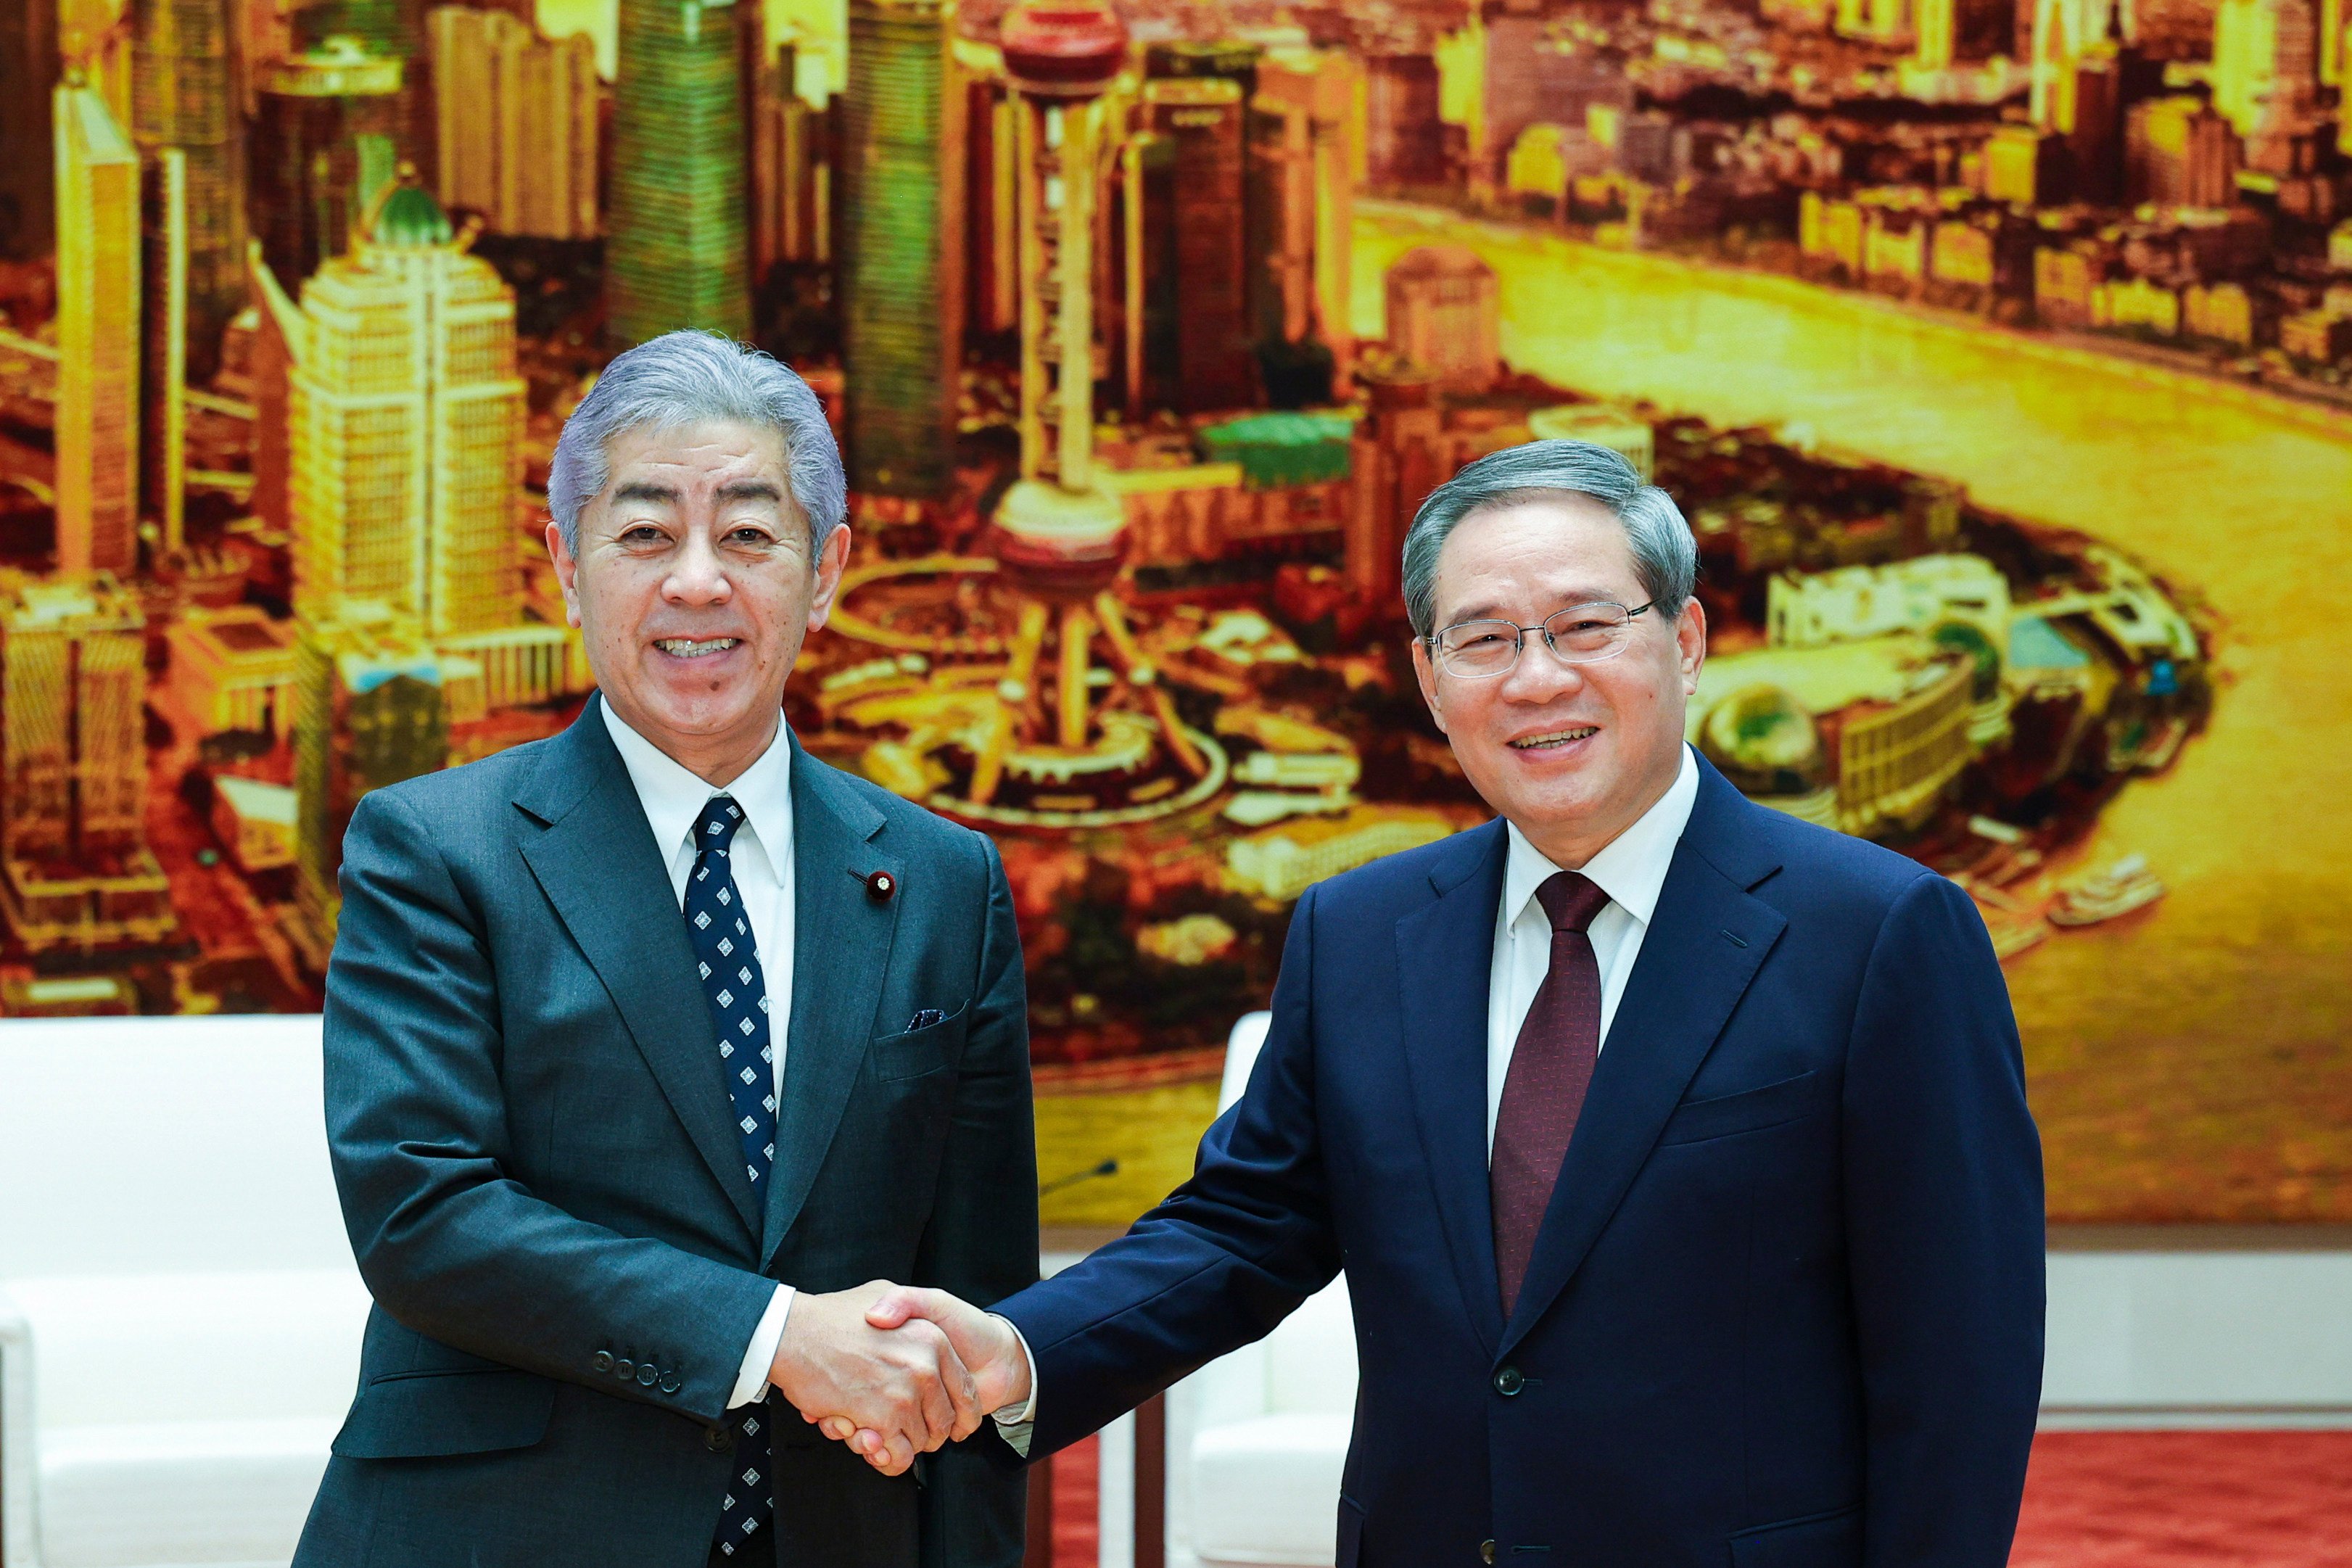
1749 1110
437 1414
1817 1540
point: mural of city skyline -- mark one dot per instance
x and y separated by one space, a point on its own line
1999 353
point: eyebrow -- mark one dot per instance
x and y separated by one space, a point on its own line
645 490
1487 610
670 495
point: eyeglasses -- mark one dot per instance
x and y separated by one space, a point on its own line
1581 634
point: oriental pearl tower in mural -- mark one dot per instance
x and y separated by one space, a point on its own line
1019 690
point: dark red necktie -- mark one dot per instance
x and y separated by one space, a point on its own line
1550 1066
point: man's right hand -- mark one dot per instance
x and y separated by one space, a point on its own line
904 1385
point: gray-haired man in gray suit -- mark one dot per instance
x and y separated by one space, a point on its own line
647 1044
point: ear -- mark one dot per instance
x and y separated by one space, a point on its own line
567 571
1690 638
832 561
1426 673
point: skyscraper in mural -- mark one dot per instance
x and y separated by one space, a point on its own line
2265 63
1197 333
163 350
516 118
326 134
792 168
407 416
677 247
184 77
73 764
901 273
1405 137
371 710
98 200
1949 30
28 74
1305 144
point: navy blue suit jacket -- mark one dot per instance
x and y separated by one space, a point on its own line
1785 1310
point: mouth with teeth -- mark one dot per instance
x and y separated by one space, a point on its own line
687 647
1553 740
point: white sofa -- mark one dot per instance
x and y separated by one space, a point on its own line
180 1317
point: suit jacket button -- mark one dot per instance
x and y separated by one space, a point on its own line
601 1360
669 1383
647 1376
1508 1382
1485 1552
624 1369
718 1439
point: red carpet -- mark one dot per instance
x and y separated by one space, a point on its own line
1076 1472
2188 1500
2093 1499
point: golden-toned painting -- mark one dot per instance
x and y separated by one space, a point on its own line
1998 352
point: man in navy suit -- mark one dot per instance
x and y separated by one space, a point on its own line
1676 1152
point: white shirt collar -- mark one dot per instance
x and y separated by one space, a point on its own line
1631 868
674 794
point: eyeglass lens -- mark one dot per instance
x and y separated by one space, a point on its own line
1578 634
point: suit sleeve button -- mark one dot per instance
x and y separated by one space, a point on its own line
718 1439
647 1376
1485 1552
669 1383
1508 1382
601 1360
624 1369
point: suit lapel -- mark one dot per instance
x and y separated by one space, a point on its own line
598 864
1445 955
841 950
1706 940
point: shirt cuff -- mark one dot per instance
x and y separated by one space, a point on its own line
759 1356
1016 1424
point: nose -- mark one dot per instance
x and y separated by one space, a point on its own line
1539 675
696 575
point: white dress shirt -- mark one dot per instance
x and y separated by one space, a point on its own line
1629 869
761 858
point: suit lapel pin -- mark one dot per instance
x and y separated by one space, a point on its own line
881 885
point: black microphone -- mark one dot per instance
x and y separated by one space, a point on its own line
1107 1168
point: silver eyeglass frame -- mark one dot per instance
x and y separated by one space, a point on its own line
1542 629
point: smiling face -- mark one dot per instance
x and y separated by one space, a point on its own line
693 586
1572 754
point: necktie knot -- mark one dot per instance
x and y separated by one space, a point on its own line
720 817
1571 900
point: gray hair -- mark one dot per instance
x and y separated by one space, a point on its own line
1665 556
683 378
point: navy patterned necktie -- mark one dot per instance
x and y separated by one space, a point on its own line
738 993
1543 1089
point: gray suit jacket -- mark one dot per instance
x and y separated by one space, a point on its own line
532 1142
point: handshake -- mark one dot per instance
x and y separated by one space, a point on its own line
895 1370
